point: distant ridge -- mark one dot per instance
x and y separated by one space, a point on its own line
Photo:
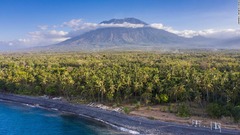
125 20
124 37
110 37
138 38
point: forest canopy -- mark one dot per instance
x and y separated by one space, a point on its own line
206 78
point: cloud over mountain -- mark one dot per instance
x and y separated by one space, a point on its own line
52 34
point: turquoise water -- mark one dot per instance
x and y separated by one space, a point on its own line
18 119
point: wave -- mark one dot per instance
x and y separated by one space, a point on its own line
114 126
55 109
29 105
119 128
107 123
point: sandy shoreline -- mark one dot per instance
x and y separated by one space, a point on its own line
132 123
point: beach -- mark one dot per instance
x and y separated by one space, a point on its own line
130 124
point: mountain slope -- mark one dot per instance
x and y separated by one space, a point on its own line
140 37
232 43
125 20
119 36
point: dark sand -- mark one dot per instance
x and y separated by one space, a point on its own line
132 123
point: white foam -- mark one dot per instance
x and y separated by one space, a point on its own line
129 131
29 105
54 109
117 127
120 128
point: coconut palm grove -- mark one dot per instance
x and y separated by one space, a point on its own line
208 79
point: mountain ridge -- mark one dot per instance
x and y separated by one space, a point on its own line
125 20
119 36
137 38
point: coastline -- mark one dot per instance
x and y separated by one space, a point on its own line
131 124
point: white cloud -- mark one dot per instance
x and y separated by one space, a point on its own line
157 26
43 27
223 34
47 34
184 33
78 24
80 27
187 33
211 33
125 24
40 38
74 23
56 33
10 43
23 40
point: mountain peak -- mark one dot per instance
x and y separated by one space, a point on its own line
125 20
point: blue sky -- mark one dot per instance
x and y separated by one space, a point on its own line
19 17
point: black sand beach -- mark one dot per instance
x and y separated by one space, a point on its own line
135 125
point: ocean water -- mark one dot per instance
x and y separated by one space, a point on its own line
18 119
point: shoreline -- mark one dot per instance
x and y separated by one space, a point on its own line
131 124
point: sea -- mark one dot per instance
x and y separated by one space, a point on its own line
20 119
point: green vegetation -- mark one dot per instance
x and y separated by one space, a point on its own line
236 113
183 110
214 110
210 79
126 110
